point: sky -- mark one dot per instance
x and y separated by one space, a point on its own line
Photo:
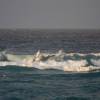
69 14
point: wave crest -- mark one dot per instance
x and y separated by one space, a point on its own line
63 61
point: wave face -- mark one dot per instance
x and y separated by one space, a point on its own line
21 49
73 62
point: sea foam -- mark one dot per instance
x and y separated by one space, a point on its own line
77 62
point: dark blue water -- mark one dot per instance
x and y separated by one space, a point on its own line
28 41
17 83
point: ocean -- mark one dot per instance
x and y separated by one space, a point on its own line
49 64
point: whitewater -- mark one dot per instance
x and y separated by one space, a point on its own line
71 62
49 64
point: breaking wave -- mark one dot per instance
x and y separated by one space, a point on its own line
73 62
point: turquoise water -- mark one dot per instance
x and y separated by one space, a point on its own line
17 83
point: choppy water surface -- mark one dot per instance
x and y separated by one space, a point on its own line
24 40
18 83
70 75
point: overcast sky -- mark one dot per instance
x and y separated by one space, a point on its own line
50 14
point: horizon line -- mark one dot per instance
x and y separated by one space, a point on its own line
52 28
